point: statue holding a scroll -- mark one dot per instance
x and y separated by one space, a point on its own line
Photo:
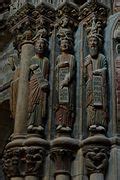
65 84
38 87
95 68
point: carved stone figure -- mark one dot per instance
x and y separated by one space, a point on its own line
38 87
34 161
13 85
96 159
65 84
95 68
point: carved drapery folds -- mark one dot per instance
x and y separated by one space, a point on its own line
96 147
67 15
95 66
39 70
64 148
30 27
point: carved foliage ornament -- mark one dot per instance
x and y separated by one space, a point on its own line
96 10
14 162
34 161
71 12
25 160
62 158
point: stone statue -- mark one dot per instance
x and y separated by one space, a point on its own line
14 84
38 87
65 84
95 68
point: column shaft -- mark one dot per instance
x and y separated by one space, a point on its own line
22 101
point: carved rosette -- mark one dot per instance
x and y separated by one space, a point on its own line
14 161
96 151
35 157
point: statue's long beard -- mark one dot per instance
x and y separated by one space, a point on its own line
94 52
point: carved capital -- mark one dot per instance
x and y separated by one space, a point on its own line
67 20
22 25
45 16
34 161
62 159
14 162
96 151
96 158
63 151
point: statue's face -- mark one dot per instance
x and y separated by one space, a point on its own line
40 46
93 46
64 45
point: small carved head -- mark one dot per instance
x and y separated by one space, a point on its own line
93 44
65 45
41 45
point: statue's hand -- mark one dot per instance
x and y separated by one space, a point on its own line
34 67
45 86
97 72
64 83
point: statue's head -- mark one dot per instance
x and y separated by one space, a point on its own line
65 45
95 38
40 45
93 44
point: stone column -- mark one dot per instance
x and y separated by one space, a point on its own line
27 51
14 154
